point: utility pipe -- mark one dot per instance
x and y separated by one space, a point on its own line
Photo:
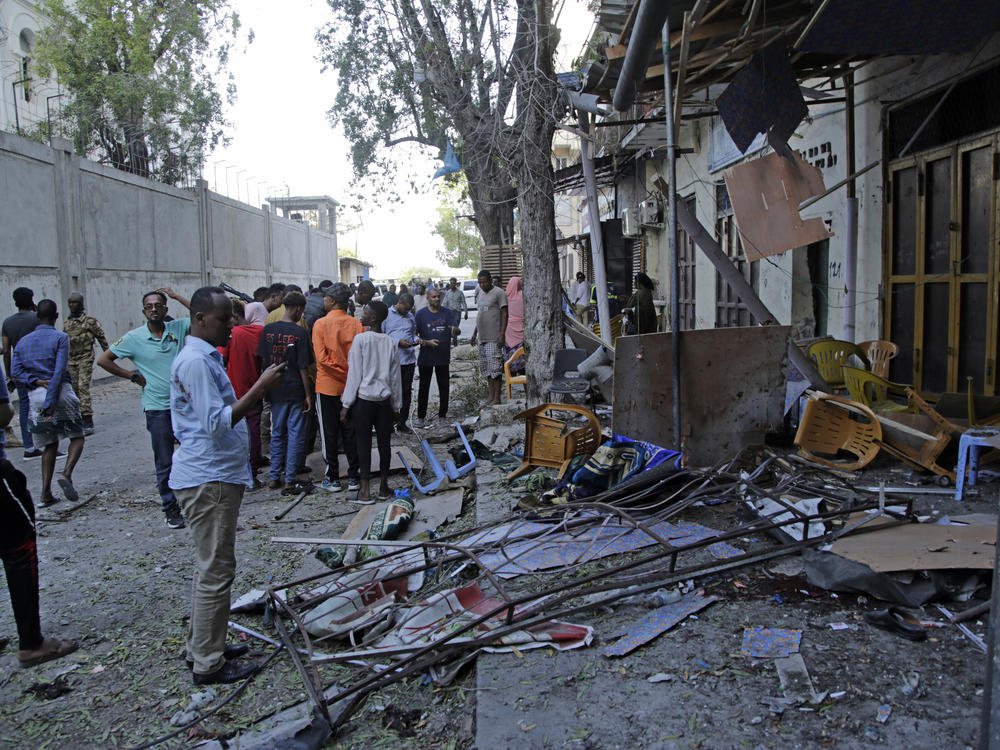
732 276
650 19
851 248
596 241
675 266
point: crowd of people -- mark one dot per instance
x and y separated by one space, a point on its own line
332 362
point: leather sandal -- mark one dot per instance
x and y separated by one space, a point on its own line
898 622
51 648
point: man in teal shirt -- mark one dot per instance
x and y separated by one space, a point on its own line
152 349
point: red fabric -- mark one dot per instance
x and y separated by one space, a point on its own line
242 362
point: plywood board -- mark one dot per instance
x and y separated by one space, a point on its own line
766 194
922 546
732 389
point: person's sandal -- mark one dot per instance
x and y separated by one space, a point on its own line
51 648
69 491
898 622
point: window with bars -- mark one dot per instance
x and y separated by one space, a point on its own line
730 312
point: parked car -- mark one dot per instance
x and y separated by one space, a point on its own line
470 287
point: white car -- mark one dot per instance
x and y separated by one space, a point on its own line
469 288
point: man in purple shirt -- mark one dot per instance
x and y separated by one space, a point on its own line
40 364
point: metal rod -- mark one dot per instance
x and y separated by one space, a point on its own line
812 22
675 302
296 501
836 186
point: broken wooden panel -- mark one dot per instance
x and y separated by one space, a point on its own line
732 389
765 195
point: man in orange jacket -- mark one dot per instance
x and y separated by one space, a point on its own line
332 336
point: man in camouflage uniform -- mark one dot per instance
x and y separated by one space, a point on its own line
82 331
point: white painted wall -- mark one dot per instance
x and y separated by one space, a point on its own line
20 21
784 280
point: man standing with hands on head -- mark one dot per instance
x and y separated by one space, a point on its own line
152 349
209 477
491 330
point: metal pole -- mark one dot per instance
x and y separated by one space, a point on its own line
989 724
596 241
851 249
675 265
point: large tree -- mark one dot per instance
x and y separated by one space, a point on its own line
141 94
461 241
477 73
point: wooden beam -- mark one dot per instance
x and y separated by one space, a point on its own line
704 31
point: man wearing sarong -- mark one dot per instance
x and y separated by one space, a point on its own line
40 364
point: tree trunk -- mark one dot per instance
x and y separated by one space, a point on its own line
491 195
537 115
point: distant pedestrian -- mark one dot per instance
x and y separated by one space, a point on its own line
15 327
291 400
579 295
209 478
514 336
454 299
278 312
242 362
390 298
83 331
435 328
401 325
641 308
315 308
19 551
260 294
364 294
332 337
152 349
373 396
41 362
419 299
491 331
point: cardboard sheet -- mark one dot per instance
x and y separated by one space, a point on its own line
922 546
766 194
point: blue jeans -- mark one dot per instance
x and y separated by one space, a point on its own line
22 416
288 438
161 433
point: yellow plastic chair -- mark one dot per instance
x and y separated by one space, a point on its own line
879 354
510 379
869 389
831 355
832 426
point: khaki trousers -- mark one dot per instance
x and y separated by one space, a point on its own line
81 370
211 511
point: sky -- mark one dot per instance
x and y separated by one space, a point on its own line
281 141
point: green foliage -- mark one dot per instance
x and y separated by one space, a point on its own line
421 273
142 97
459 234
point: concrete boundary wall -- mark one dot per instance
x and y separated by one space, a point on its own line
69 224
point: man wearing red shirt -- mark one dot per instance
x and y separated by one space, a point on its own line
332 337
243 368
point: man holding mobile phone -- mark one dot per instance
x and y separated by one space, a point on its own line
209 475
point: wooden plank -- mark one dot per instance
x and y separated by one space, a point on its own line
922 546
704 31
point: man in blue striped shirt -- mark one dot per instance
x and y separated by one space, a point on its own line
209 474
40 364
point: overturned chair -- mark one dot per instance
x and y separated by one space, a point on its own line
832 426
551 442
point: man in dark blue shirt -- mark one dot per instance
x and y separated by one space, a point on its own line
40 363
435 327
